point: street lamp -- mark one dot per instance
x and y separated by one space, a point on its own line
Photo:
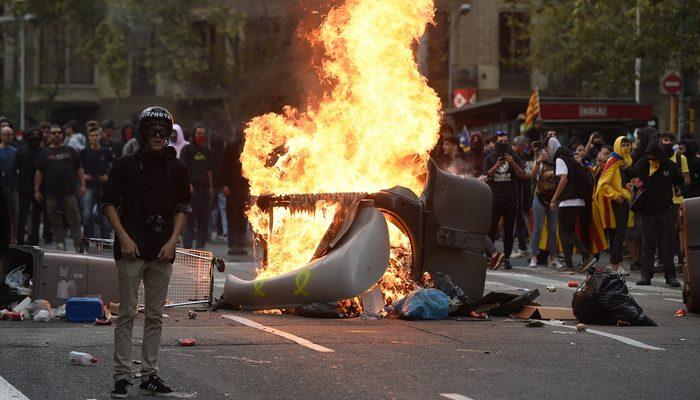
464 9
22 62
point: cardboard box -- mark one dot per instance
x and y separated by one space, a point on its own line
539 312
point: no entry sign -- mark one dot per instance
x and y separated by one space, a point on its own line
672 84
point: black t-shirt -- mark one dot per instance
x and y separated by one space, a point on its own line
96 163
198 161
25 165
59 167
147 188
504 182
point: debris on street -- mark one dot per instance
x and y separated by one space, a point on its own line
604 299
581 327
534 324
551 289
192 314
423 304
573 284
679 313
186 342
78 358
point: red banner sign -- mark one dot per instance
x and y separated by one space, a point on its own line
595 111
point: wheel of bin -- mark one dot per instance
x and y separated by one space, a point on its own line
691 291
214 303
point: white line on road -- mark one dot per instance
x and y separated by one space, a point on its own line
9 392
620 338
301 341
674 300
455 396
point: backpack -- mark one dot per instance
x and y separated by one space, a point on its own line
546 185
583 180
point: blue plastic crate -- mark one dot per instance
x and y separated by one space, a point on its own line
84 309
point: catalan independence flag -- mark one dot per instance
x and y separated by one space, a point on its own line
533 108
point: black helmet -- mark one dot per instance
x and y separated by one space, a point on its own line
154 113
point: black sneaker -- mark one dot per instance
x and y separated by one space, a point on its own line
673 283
644 282
506 264
154 386
121 389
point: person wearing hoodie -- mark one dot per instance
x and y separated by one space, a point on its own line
177 139
504 170
612 200
197 157
660 179
570 206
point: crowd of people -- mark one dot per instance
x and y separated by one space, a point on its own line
590 197
53 177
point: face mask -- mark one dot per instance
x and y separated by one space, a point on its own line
200 140
668 149
501 148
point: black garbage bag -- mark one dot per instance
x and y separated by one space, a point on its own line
603 299
460 304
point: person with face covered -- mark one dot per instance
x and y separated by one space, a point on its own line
660 178
593 147
504 170
668 141
177 139
476 154
25 170
612 199
197 157
151 190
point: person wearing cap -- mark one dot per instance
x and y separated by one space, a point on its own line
151 189
660 178
107 139
503 170
25 170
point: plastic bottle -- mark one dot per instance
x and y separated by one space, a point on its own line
79 358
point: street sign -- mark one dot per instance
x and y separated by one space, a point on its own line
671 83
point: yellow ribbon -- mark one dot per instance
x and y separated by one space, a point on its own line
257 288
302 280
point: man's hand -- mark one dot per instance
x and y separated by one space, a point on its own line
227 191
508 158
129 249
590 139
167 252
82 190
553 204
37 196
104 178
191 189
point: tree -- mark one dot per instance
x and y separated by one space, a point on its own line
591 45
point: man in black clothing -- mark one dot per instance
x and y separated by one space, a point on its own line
218 209
236 189
503 169
97 160
197 157
25 171
660 179
61 171
151 191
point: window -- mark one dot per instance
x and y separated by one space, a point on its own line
142 80
81 70
60 65
514 47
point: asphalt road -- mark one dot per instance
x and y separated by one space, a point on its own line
384 359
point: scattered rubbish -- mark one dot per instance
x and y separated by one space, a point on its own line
478 315
551 289
497 303
136 362
581 327
192 314
114 308
368 316
42 315
135 374
12 316
679 313
22 305
103 322
682 339
84 309
39 305
164 315
269 311
423 304
623 323
58 312
573 284
547 313
372 300
349 308
604 299
78 358
16 278
534 324
556 322
187 342
460 305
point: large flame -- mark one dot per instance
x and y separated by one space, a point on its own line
372 128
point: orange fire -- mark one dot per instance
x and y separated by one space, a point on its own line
371 130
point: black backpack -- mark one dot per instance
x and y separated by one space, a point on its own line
582 179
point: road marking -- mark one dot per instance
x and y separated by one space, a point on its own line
9 392
297 339
674 300
619 338
455 396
